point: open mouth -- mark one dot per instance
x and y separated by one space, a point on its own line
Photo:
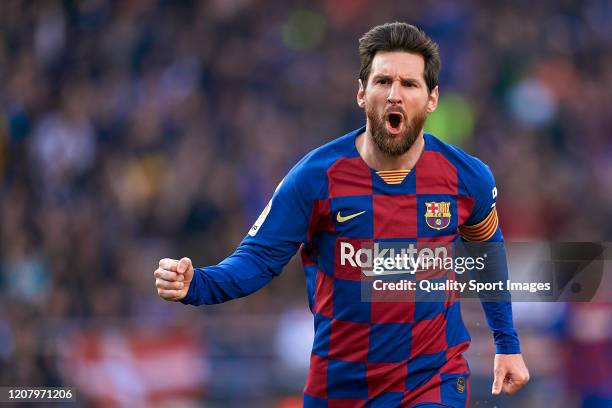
394 122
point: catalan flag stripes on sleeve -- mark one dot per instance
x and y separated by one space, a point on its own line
482 231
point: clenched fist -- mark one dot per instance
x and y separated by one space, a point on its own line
172 278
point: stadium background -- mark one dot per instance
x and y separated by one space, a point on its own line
135 130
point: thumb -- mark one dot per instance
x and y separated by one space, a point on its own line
498 382
184 265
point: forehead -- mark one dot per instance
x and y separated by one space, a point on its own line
398 63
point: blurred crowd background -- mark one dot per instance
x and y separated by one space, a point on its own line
141 129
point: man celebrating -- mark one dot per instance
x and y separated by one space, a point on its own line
384 182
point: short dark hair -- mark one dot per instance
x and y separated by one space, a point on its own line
399 37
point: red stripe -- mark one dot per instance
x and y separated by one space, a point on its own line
348 177
316 383
324 295
320 219
465 205
395 216
435 174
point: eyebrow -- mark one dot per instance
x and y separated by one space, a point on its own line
403 79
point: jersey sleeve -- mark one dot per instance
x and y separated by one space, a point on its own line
269 245
482 224
482 229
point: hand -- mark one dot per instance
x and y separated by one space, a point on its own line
510 373
172 278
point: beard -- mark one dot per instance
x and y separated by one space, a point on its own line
395 145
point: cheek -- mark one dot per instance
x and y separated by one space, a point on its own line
418 103
417 98
375 100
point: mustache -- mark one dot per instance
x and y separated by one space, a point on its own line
395 109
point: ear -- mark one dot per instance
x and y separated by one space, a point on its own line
361 95
432 100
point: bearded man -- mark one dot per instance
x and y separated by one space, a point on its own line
384 183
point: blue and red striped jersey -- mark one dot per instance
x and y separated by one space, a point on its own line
331 206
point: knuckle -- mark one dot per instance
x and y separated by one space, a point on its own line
162 284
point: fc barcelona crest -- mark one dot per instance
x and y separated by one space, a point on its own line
437 215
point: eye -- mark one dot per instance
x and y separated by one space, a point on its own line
382 81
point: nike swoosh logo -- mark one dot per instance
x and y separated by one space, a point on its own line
340 218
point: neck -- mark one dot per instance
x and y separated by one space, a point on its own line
371 154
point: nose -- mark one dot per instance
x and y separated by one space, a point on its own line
394 96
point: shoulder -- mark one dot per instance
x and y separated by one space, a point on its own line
473 174
311 172
326 155
477 192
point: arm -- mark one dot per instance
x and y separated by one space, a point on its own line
269 245
483 228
